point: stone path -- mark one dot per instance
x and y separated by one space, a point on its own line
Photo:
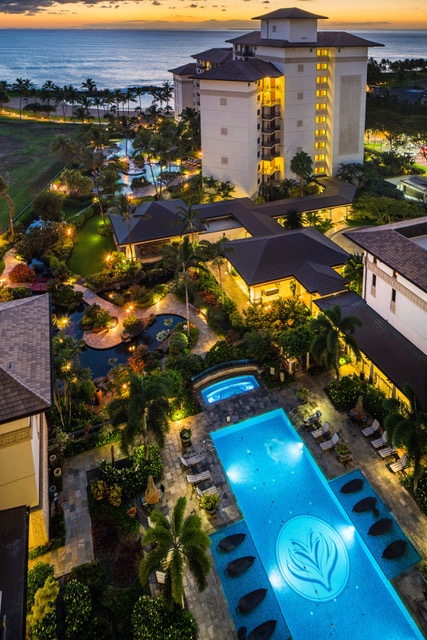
210 607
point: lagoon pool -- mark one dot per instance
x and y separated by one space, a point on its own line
322 575
228 388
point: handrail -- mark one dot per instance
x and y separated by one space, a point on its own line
219 367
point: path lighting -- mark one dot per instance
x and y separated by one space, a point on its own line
124 386
69 231
108 258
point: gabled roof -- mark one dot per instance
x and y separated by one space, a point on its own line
25 358
217 55
291 12
392 244
242 71
265 259
386 347
338 39
244 211
184 70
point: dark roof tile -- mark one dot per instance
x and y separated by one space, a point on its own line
291 12
216 55
242 71
185 70
337 39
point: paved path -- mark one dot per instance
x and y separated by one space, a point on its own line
168 305
10 261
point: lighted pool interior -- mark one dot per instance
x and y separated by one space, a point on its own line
228 388
324 578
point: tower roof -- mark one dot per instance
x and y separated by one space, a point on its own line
291 12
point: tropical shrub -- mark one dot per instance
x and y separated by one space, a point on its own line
132 479
78 609
48 206
14 293
153 620
41 622
63 295
21 272
421 492
132 324
223 351
344 395
178 342
95 317
37 576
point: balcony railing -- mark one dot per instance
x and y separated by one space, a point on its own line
270 155
270 129
270 113
270 144
269 102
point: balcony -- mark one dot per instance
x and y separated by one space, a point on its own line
270 154
270 129
270 144
270 113
269 101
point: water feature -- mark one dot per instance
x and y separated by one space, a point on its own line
228 388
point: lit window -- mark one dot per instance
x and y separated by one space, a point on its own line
319 158
321 106
322 80
322 52
321 93
321 66
319 145
320 119
318 170
320 132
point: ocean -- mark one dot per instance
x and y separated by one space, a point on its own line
117 59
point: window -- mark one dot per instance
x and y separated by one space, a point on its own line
320 119
274 28
318 170
300 95
258 140
322 52
374 280
300 68
320 132
321 106
258 112
321 66
299 149
258 126
319 158
319 145
393 295
223 102
258 97
321 92
224 160
224 131
322 80
300 123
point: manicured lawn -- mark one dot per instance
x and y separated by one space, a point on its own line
90 249
25 155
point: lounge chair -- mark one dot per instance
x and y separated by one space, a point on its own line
231 542
400 465
395 550
264 631
315 417
368 431
240 565
388 451
190 462
198 477
318 433
210 491
251 600
380 442
329 444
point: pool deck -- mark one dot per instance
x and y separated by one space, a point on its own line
210 607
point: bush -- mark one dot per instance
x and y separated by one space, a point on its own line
99 629
82 217
14 293
421 492
132 324
22 273
222 351
344 396
48 206
95 317
153 620
105 229
58 268
178 342
78 609
41 622
37 576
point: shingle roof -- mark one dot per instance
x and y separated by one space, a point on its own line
264 259
291 12
25 357
244 211
392 245
242 71
339 39
185 70
217 55
388 349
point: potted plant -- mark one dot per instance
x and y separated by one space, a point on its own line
210 503
185 435
342 452
302 394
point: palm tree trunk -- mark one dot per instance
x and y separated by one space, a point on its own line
130 245
187 306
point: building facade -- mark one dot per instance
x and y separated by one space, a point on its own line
288 88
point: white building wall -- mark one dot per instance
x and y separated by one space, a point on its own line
183 94
294 30
408 314
229 133
19 464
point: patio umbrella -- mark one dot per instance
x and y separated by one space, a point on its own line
152 493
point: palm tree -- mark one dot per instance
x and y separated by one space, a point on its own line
22 86
4 193
302 166
330 330
181 258
353 271
260 344
292 219
64 146
123 207
167 91
214 251
70 94
143 143
192 119
173 545
189 219
47 94
143 411
90 85
408 429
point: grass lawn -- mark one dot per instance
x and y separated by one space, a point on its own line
90 249
25 155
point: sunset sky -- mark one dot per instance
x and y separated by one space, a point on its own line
365 14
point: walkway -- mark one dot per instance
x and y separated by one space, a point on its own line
10 261
168 305
210 608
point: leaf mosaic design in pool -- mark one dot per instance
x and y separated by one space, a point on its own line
312 558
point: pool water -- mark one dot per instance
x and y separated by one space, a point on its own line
228 388
325 581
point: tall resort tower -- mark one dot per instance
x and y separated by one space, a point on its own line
287 88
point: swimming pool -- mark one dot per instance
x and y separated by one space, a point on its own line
325 580
229 388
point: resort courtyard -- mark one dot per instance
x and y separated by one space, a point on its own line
210 607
